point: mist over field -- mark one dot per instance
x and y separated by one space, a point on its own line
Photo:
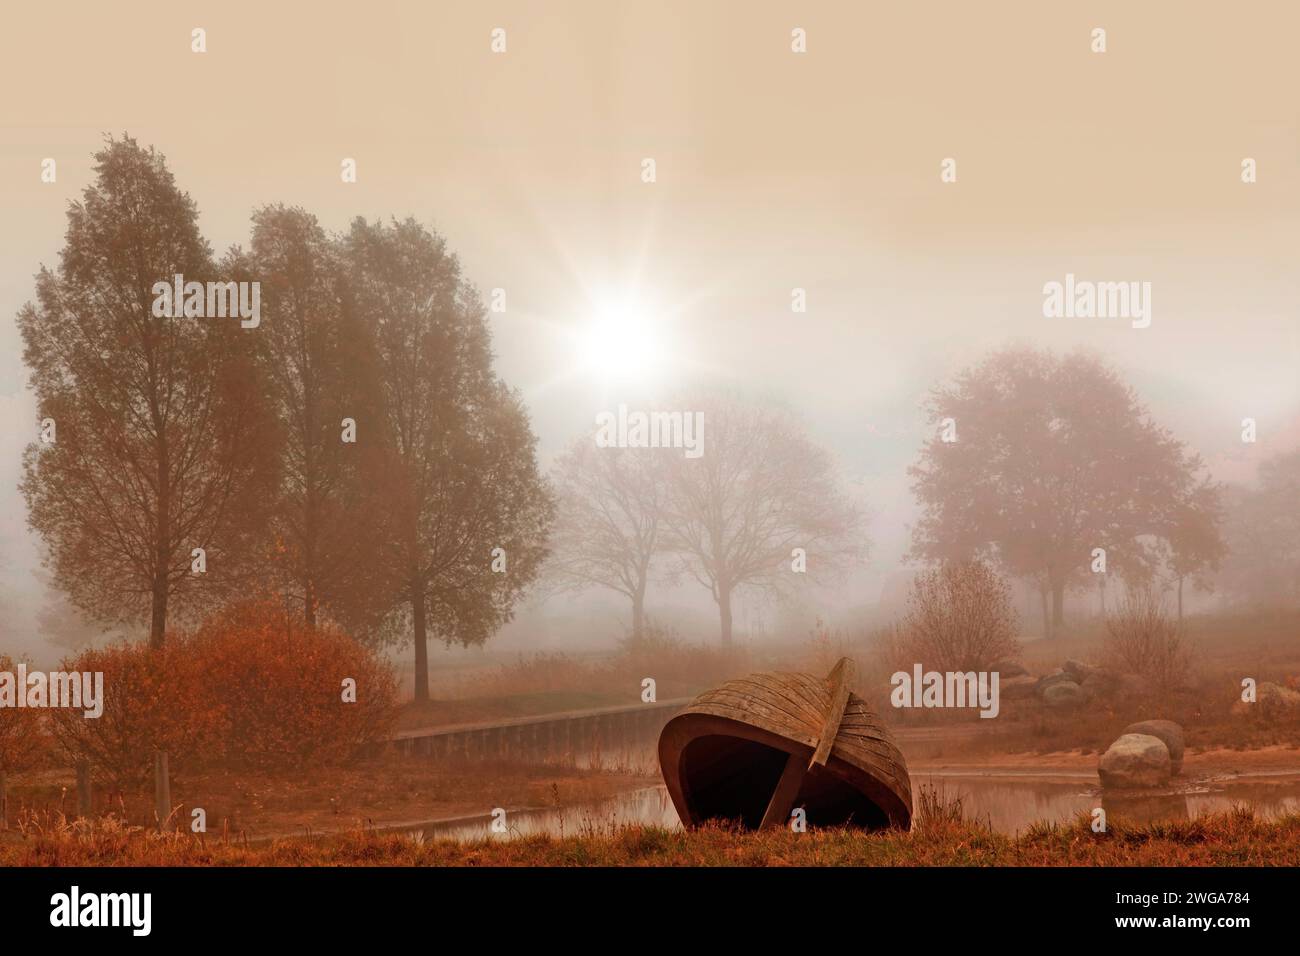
1108 168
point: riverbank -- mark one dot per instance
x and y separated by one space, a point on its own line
1212 762
1234 838
385 790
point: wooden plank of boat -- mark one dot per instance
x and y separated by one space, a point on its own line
754 748
787 789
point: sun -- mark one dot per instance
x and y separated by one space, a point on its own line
620 345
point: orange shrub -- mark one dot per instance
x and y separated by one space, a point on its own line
251 688
153 699
279 688
20 728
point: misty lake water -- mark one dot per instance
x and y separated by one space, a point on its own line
1009 803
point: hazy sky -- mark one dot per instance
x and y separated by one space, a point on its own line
774 170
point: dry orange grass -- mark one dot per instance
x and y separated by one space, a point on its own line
1228 839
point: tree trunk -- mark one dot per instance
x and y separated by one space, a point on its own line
158 615
1180 599
724 611
1047 617
421 641
161 544
1058 606
638 615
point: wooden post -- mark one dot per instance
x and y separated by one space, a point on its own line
83 788
162 791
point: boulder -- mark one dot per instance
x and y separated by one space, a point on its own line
1056 677
1017 688
1169 732
1135 761
1064 694
1078 671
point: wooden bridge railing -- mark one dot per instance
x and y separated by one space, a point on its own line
545 737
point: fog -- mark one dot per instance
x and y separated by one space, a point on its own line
773 172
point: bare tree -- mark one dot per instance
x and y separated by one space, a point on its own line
959 618
1143 638
608 522
760 490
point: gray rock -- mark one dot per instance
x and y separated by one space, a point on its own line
1017 688
1078 671
1135 761
1169 732
1056 677
1064 694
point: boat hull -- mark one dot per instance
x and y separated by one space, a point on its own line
724 756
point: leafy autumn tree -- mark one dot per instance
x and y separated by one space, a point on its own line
470 511
608 522
327 525
1053 457
162 442
760 489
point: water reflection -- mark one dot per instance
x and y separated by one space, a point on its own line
1008 805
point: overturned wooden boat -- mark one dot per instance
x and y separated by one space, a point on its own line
753 750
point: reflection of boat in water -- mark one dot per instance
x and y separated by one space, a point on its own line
754 749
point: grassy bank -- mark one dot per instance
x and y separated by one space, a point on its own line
1228 839
383 790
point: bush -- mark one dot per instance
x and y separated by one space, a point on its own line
153 699
278 687
20 729
252 688
1143 638
959 618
